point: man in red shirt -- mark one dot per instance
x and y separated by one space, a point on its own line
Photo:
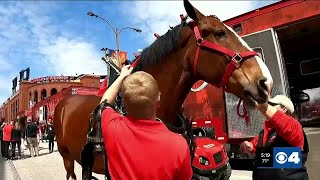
281 129
7 130
138 146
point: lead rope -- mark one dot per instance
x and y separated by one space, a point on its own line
244 114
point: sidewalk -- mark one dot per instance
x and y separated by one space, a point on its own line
7 170
48 166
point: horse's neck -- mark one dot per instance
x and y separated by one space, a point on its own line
174 84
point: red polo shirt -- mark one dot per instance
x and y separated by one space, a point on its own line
7 130
144 149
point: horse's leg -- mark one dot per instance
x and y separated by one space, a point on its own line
69 166
68 163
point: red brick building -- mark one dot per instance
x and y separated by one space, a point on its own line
36 95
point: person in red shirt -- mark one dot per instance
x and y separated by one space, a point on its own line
281 129
138 146
7 130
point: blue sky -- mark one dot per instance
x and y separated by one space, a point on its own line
54 38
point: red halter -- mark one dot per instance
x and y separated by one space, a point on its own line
236 58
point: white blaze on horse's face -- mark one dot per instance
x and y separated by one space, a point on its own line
264 69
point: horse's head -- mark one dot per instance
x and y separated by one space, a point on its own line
221 57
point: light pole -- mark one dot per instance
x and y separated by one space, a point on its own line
117 33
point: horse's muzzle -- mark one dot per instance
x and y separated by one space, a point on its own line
257 93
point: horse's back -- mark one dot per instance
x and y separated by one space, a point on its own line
71 121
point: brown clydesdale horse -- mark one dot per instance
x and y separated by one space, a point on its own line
205 50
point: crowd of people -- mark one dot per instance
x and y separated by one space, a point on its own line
14 134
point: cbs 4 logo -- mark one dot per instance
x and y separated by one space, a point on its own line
283 157
287 157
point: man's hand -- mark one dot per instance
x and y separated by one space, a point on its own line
126 71
246 147
261 107
267 110
113 90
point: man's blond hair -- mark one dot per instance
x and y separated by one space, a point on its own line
140 94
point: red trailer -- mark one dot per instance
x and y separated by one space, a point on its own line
286 35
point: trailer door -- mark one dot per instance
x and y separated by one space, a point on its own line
267 45
41 113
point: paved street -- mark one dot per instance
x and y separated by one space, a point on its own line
50 166
46 166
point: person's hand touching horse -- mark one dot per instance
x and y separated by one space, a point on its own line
113 90
126 71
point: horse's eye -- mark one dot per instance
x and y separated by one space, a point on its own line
220 34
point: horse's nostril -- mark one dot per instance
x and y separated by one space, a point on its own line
262 84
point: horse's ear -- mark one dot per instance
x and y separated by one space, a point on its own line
192 11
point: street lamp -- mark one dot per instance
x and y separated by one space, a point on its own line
116 32
106 51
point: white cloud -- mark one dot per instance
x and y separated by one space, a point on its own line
63 53
156 16
71 56
4 65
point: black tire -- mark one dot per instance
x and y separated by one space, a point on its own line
226 175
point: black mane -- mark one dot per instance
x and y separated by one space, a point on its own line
161 48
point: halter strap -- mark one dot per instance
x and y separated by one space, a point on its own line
236 58
244 114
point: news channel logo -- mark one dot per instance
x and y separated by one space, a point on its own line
287 157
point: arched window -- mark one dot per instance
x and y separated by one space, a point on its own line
30 100
35 96
43 94
53 91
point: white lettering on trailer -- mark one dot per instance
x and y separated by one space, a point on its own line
263 67
207 122
220 138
